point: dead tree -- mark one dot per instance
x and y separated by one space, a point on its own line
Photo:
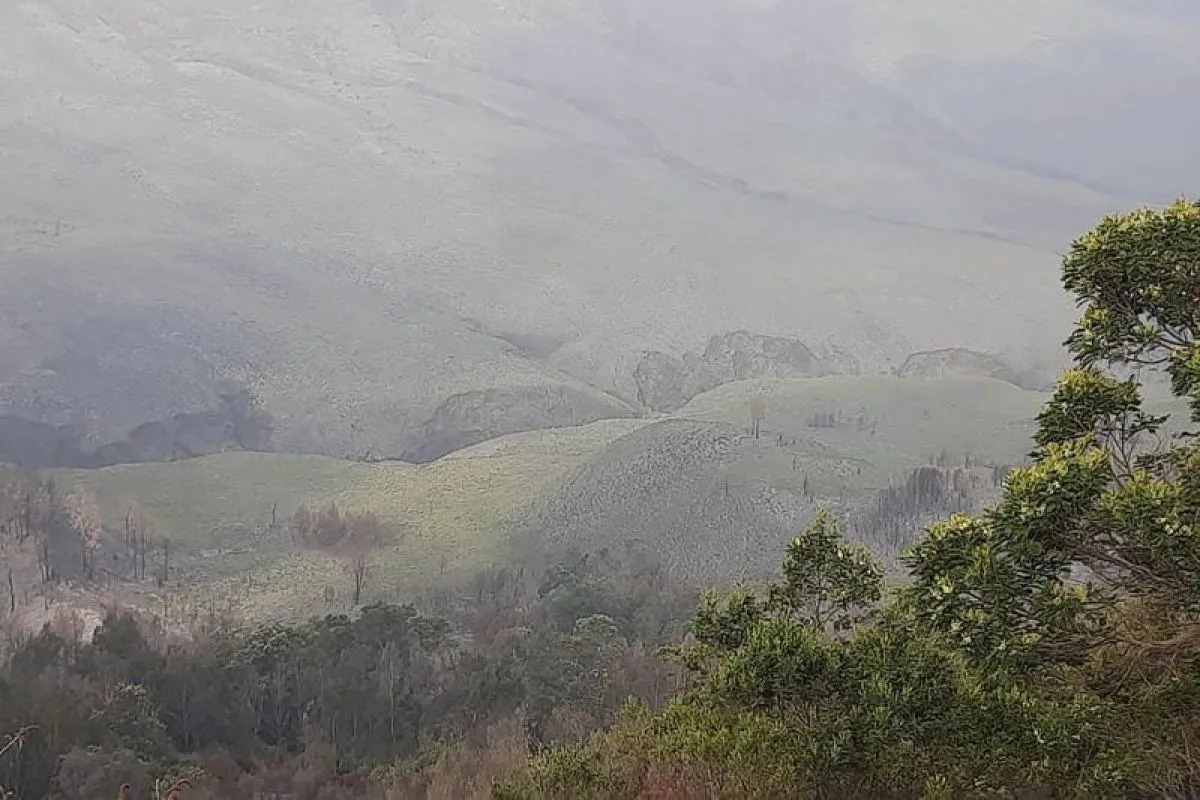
758 411
363 534
166 563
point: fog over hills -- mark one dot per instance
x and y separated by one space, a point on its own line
399 227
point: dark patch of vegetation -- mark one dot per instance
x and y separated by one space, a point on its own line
237 422
342 706
900 513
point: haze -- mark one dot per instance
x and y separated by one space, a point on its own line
399 227
417 399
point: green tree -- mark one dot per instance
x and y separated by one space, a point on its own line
1137 278
1087 574
828 585
1048 647
827 582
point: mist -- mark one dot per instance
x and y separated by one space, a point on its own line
378 198
508 326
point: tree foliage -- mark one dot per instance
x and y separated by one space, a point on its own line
340 706
1048 647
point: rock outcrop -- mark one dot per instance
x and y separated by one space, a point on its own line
473 417
665 383
960 362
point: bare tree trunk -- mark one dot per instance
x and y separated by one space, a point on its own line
129 539
26 517
166 563
44 560
360 574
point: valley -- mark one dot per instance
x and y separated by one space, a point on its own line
542 399
696 483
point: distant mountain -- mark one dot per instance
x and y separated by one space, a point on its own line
403 226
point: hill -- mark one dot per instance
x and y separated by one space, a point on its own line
718 503
226 516
403 228
696 487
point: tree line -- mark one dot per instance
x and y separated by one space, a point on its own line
345 705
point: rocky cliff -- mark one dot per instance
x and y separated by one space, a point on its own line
961 362
665 383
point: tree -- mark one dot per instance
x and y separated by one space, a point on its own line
364 534
83 514
827 583
352 537
358 564
13 743
1107 496
1090 564
139 533
1137 278
38 518
1048 647
758 412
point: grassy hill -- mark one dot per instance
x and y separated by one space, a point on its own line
395 222
884 422
442 518
718 503
695 486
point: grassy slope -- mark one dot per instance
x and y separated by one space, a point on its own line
451 515
914 419
216 511
718 504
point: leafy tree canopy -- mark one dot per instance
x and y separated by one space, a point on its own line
1048 647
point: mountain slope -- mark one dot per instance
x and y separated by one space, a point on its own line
361 213
718 504
713 501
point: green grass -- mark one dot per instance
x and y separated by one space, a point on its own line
448 517
908 421
555 448
445 518
216 511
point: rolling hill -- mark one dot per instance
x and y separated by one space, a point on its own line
695 486
718 504
402 228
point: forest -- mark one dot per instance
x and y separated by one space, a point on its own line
1045 647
